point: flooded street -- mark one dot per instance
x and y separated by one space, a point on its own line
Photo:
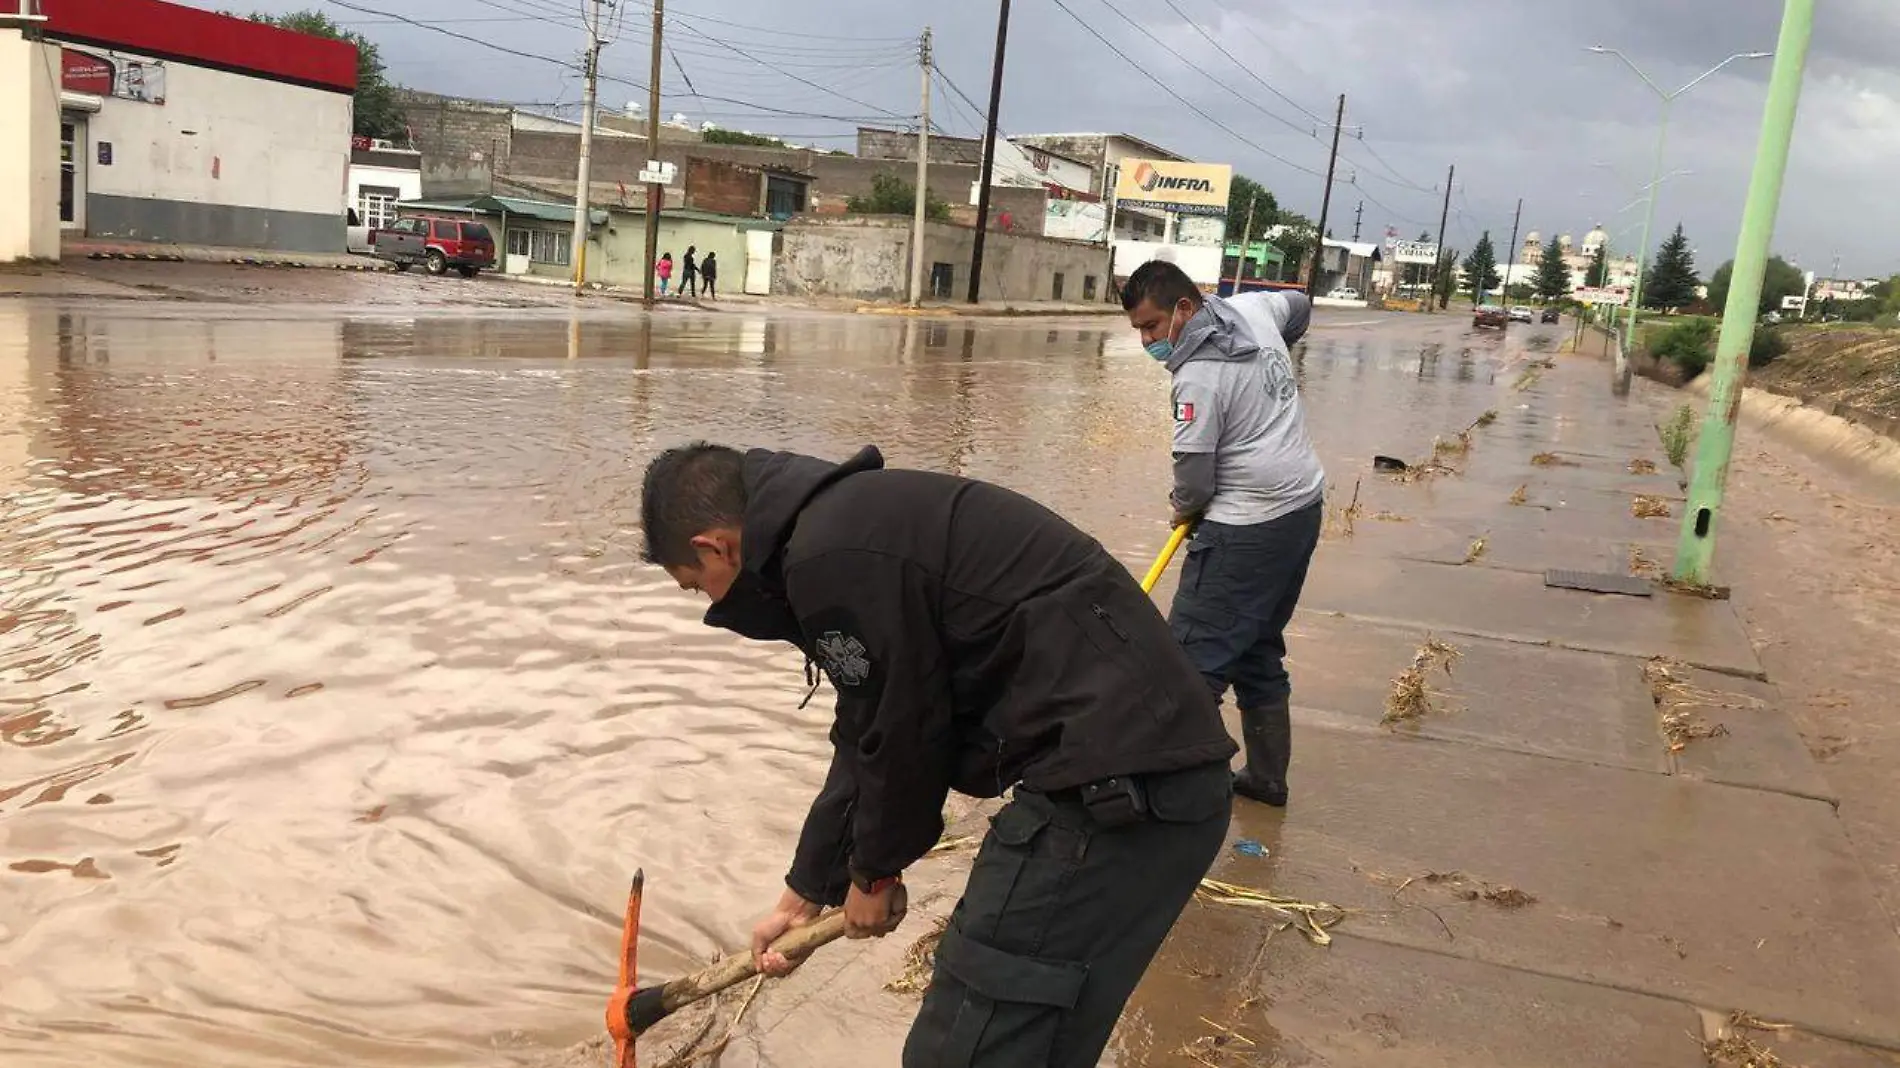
336 707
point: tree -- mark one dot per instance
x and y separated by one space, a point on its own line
1782 279
891 195
1481 269
376 112
1447 280
1295 237
734 137
1553 274
1266 209
1598 273
1672 282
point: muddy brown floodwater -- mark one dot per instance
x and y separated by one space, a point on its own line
336 706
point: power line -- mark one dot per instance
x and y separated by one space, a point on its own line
1248 71
1223 86
452 33
774 31
1185 102
1397 178
789 74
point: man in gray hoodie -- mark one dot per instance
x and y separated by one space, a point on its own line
1246 473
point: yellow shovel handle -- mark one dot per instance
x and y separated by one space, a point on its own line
1167 555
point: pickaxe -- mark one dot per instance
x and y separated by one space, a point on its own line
632 1011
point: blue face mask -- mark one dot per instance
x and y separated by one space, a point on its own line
1161 348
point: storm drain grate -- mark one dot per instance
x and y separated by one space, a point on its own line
1599 582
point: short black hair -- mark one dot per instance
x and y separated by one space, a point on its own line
1160 282
689 490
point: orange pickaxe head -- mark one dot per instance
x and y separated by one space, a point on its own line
618 1024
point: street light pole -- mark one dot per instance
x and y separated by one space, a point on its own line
1717 441
1620 384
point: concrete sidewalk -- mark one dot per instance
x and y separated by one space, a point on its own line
86 248
1539 870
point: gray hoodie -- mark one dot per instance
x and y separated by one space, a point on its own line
1241 451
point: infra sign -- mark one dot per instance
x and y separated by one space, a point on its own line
1184 188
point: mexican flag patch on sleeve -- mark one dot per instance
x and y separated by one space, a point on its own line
1184 411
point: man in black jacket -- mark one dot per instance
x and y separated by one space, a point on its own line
977 641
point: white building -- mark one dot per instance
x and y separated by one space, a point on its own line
380 177
171 124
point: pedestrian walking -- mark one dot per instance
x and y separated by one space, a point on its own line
663 270
976 641
709 274
689 273
1246 473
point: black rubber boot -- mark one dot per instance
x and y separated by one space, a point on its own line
1267 733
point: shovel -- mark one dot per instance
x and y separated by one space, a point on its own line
1167 555
632 1010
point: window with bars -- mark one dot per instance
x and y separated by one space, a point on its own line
376 205
541 246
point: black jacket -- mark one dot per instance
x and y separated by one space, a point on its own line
975 639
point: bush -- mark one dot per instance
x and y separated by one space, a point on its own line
1688 345
1768 347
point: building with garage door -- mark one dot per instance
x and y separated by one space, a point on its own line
139 120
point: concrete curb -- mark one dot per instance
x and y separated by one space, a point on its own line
376 266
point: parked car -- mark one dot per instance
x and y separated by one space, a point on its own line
437 244
1488 315
1345 293
1552 315
355 234
1521 314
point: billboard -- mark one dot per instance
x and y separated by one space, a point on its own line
1414 252
1611 295
1075 220
1187 188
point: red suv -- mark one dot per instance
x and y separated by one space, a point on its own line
437 243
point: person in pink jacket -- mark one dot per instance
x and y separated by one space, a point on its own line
664 271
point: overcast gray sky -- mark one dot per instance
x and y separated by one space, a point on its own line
1505 90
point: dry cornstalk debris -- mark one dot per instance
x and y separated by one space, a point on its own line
1528 378
1390 517
1521 494
1410 697
1731 1048
1640 466
1679 703
1466 888
1551 459
1641 565
920 961
1475 550
1643 506
1311 918
1339 522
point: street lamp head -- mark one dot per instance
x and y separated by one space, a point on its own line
1598 49
1757 55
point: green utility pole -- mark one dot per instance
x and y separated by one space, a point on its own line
1697 547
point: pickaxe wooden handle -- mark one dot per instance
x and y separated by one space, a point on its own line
631 1011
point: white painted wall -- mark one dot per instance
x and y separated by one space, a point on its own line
1201 263
29 149
226 139
408 182
1017 166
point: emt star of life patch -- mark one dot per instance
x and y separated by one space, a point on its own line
844 659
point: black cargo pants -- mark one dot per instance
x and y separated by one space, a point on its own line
1059 921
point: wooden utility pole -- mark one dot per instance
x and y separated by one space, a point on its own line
989 155
1358 214
923 177
1510 255
578 253
1444 216
656 193
1246 238
1326 203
